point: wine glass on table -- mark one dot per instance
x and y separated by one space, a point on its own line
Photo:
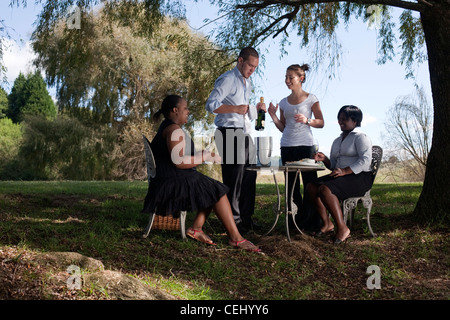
316 146
209 146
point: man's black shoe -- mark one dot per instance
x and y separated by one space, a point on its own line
255 226
251 226
241 228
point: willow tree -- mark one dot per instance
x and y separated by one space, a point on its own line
110 73
149 14
423 33
111 69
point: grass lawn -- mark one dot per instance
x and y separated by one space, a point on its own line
102 220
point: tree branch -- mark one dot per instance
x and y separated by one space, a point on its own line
415 6
289 16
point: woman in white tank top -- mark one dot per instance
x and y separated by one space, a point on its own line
297 142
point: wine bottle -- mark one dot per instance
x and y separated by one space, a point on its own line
260 121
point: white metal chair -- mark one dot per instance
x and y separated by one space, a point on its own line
167 222
349 205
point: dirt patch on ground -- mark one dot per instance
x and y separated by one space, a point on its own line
66 275
279 246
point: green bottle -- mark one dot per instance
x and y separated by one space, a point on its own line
260 121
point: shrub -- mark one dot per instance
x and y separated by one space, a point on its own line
64 148
10 140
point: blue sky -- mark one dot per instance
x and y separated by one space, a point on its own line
359 81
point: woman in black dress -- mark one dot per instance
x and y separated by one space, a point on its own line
178 186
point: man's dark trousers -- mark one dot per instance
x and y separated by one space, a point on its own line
242 182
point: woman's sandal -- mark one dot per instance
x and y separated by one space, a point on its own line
199 235
322 233
338 241
245 245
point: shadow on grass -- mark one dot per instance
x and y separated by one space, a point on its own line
103 221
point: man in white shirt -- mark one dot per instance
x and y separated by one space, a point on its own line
229 102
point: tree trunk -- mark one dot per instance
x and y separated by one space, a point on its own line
434 201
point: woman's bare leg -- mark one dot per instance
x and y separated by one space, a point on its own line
200 219
331 203
196 231
222 209
314 196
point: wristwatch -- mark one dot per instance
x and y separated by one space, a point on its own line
309 121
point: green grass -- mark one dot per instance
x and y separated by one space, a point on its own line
103 220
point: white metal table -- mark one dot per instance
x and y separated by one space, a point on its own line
277 207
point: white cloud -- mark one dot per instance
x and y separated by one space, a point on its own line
17 57
368 119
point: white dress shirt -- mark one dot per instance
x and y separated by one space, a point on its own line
231 88
355 151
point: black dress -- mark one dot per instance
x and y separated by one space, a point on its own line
174 189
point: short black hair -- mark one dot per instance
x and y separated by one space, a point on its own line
352 112
247 52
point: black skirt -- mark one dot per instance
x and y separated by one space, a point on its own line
190 191
348 186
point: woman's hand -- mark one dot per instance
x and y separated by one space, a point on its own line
319 156
272 109
300 118
211 157
340 172
279 123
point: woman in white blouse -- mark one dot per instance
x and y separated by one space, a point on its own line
297 142
349 162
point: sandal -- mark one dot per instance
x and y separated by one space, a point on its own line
244 244
322 233
338 241
199 235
